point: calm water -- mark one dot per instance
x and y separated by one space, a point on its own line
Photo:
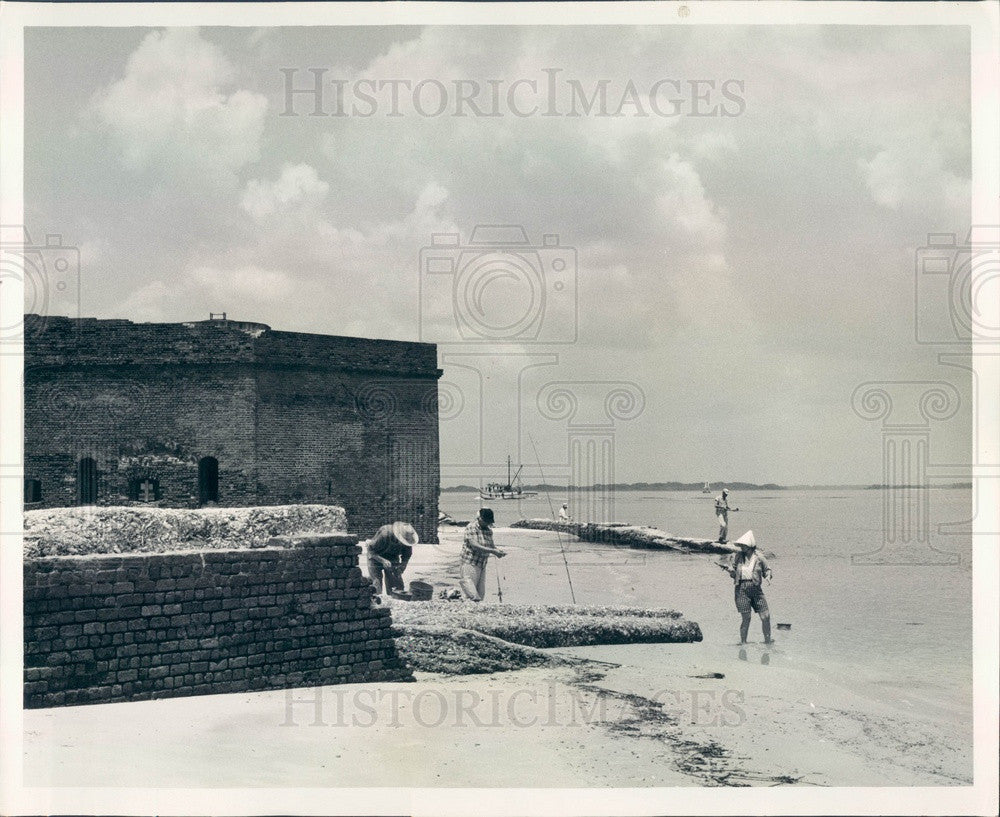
896 632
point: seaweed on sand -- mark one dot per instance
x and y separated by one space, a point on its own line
552 626
465 652
136 529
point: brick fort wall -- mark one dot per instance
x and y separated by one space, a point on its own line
336 437
118 413
133 627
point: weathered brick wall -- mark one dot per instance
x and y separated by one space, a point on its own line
333 436
141 421
290 417
56 340
134 627
334 351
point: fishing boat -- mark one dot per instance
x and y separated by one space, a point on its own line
510 490
707 489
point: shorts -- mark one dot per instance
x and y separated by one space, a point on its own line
749 595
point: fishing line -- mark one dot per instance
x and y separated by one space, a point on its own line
552 511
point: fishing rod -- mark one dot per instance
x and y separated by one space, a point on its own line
499 587
552 511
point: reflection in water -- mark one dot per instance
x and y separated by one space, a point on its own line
765 657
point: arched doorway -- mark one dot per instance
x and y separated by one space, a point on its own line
32 490
86 481
208 480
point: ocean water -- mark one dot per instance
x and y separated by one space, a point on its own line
897 632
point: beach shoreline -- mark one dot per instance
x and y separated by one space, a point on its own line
625 716
790 706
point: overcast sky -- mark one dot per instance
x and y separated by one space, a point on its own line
745 270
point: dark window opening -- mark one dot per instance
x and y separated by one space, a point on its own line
208 480
144 489
32 491
86 481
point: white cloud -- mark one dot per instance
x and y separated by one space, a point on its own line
176 109
911 175
304 271
238 284
713 144
154 301
92 253
683 204
299 186
242 291
424 219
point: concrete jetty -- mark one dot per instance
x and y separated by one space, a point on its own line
630 536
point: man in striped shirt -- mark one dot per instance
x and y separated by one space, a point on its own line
476 549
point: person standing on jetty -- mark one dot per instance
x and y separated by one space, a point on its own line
389 551
564 513
722 510
748 569
476 549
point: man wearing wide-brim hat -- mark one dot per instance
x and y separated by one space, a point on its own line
748 569
389 551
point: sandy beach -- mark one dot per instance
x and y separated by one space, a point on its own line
636 715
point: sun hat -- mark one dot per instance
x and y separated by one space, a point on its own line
405 533
486 514
747 540
725 490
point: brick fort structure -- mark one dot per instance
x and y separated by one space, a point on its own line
230 413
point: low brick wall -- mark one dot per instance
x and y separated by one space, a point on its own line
139 626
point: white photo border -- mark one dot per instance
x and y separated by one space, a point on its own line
980 798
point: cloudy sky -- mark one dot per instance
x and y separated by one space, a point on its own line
741 265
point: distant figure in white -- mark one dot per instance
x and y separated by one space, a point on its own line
748 569
564 513
722 510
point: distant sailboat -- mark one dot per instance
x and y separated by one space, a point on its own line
507 491
707 489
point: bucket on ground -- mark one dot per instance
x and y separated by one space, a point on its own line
421 591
